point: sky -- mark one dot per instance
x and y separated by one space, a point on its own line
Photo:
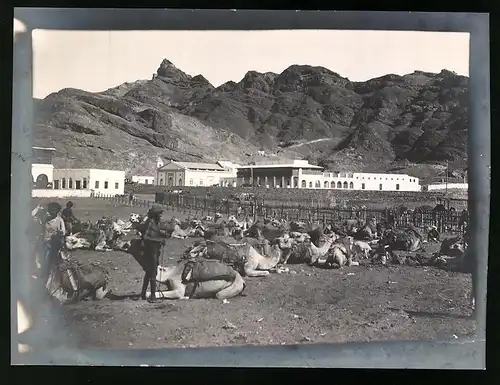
97 60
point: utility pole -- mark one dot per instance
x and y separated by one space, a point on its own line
251 176
447 172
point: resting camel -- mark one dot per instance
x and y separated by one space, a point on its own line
408 239
268 231
363 248
341 253
243 257
319 252
72 281
306 251
199 279
258 265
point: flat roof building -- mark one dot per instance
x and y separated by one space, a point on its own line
302 174
99 181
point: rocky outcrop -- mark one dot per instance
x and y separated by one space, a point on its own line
304 111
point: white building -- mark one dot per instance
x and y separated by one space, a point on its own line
42 169
175 173
446 186
143 179
301 174
108 182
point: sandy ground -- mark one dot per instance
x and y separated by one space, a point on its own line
307 305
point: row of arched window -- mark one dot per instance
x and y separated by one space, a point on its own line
332 184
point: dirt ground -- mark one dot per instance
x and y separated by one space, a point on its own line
307 305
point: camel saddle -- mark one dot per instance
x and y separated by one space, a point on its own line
206 270
231 254
88 276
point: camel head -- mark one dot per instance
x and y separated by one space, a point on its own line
163 273
176 221
233 222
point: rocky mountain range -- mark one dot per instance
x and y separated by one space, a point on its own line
412 122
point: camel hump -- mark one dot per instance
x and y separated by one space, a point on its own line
207 270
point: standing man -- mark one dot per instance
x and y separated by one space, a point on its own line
153 239
54 231
68 218
130 198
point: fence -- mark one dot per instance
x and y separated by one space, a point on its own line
446 221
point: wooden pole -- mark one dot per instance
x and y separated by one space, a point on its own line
447 172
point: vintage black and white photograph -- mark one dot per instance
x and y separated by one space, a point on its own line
235 188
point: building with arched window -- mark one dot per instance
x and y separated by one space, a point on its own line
174 173
42 169
289 175
302 174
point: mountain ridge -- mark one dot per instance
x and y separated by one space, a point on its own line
417 120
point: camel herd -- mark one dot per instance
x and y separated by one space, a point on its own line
227 249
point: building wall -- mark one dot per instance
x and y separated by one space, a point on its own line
228 182
443 186
192 177
178 178
111 182
143 179
38 169
50 193
71 179
206 177
361 181
317 179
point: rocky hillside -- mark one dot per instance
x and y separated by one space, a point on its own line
392 122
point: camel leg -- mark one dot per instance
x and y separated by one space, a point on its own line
170 294
250 270
285 259
178 291
232 291
101 293
256 273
